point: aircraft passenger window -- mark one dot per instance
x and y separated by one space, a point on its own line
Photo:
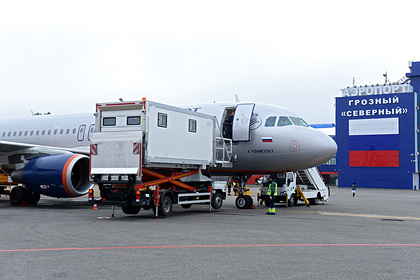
162 120
32 132
43 132
37 132
299 121
283 120
270 121
8 135
109 121
135 120
14 134
55 131
74 131
20 133
49 132
26 133
4 134
61 131
68 131
192 126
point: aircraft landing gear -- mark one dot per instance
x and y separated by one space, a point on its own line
244 200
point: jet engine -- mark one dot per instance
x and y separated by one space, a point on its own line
64 175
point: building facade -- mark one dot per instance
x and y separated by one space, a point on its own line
377 132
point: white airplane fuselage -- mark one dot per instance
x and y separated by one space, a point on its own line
276 139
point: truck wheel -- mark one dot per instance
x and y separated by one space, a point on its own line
241 202
131 210
17 195
33 198
166 207
313 201
186 206
217 201
292 201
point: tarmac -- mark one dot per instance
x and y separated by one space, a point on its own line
374 235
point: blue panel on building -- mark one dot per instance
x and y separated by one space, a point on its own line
376 138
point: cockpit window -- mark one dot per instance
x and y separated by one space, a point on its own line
299 121
270 121
283 120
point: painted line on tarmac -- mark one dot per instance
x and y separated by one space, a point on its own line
368 216
211 246
353 215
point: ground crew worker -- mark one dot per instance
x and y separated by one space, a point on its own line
353 189
229 184
272 192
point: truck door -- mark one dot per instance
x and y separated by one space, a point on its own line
241 122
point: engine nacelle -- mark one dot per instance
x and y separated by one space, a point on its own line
65 175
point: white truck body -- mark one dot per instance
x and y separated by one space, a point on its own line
144 146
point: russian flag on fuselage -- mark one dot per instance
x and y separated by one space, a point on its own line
374 143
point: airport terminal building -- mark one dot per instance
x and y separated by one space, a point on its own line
377 132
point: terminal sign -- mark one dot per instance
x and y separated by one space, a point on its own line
378 89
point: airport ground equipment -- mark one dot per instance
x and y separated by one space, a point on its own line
18 194
304 185
149 155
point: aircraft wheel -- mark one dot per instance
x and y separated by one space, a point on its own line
131 210
241 202
186 206
249 201
217 201
17 195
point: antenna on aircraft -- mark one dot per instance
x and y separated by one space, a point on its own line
237 98
121 100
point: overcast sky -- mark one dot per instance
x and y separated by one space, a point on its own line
64 56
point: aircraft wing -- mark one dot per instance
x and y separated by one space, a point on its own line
13 149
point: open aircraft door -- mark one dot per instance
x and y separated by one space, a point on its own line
241 122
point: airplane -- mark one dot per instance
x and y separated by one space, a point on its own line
49 155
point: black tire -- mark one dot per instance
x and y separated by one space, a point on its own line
18 195
165 207
33 197
217 201
241 202
292 201
186 206
249 201
313 201
131 210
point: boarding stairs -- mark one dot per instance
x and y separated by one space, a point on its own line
310 177
223 150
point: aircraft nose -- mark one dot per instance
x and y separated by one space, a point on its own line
323 148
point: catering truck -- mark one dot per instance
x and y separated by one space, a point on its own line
149 155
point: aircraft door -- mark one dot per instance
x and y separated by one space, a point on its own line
81 133
241 122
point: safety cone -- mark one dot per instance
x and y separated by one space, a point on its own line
95 207
252 207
